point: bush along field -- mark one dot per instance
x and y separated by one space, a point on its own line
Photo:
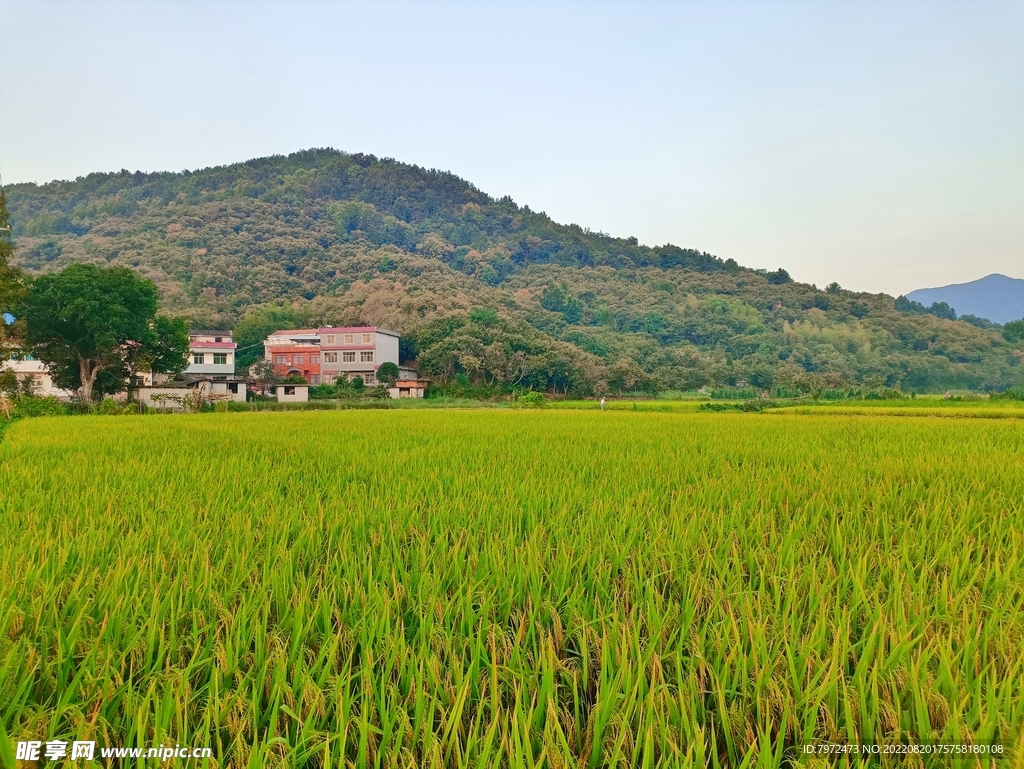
514 588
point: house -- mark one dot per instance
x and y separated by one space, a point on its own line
211 356
25 366
357 351
295 393
323 355
295 354
409 388
210 374
210 353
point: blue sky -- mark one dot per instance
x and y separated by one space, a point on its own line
877 144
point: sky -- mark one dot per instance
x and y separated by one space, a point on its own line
880 145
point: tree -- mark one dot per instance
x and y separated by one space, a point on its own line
388 373
1014 331
11 282
257 325
89 322
262 374
171 335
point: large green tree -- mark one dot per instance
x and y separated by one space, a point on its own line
97 324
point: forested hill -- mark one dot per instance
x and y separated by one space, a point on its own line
484 286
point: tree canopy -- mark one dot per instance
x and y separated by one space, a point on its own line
94 327
388 373
11 283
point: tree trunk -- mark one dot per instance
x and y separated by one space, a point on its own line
88 370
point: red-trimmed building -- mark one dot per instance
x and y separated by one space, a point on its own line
295 353
323 355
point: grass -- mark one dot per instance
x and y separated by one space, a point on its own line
507 588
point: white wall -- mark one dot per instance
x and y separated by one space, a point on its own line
387 349
300 395
37 370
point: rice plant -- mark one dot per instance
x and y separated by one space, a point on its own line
514 588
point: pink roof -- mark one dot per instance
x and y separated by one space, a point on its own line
215 345
346 329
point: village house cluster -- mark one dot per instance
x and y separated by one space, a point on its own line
324 355
316 356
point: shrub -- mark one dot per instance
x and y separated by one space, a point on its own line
39 407
1010 394
529 400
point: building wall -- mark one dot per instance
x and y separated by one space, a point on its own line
205 345
308 369
43 382
211 368
291 393
214 391
387 348
383 346
231 391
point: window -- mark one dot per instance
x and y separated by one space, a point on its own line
367 338
329 339
314 360
198 358
220 358
280 360
330 357
348 357
28 356
314 380
349 339
218 339
289 391
366 356
298 360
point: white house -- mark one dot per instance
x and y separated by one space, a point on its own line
24 365
210 373
210 353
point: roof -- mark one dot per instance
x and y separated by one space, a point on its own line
207 332
213 345
316 333
355 329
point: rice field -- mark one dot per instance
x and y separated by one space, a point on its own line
425 588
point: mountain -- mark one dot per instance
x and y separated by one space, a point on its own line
480 286
995 297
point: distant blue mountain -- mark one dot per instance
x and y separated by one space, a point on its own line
996 297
